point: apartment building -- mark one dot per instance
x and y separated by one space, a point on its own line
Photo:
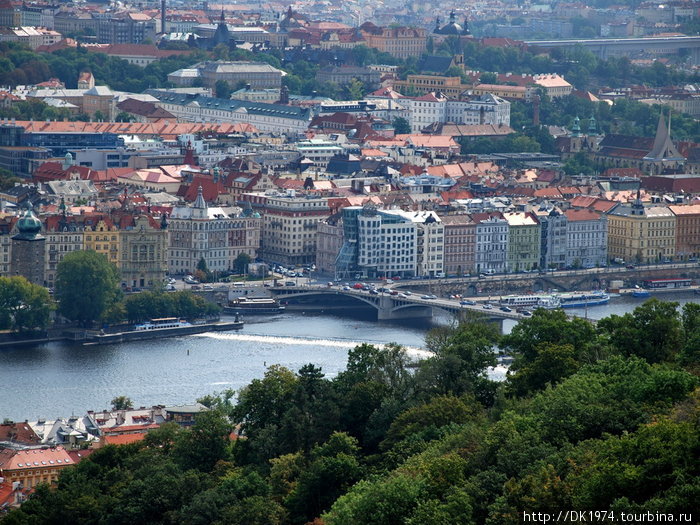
524 241
290 225
587 238
492 239
641 234
460 243
214 234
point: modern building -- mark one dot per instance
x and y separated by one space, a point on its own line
553 240
377 243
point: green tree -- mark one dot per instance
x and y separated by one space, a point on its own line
488 78
222 89
401 126
122 403
24 306
241 262
87 284
205 443
355 89
652 331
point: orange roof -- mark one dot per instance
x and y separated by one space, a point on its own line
35 458
124 439
373 153
548 192
582 215
129 428
163 128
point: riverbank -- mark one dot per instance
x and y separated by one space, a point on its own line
95 337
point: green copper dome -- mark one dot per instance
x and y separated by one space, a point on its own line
29 224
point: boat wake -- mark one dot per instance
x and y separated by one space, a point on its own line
412 351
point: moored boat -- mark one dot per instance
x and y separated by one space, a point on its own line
641 293
250 305
547 301
583 299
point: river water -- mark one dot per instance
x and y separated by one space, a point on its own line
58 379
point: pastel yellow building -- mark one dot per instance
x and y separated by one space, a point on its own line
102 235
641 234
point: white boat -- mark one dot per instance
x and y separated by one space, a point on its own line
158 324
583 299
547 301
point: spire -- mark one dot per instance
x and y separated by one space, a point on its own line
223 19
592 126
576 128
200 203
663 148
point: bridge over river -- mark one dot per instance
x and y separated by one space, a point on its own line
388 307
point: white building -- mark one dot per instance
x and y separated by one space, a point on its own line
435 107
386 243
491 242
274 118
586 238
217 235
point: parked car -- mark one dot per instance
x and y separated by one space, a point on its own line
207 287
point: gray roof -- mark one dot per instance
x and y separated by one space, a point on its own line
255 108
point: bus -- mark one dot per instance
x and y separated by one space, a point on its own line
658 284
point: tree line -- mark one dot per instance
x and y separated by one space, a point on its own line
590 417
87 292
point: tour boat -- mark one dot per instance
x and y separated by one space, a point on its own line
158 324
547 301
257 305
583 299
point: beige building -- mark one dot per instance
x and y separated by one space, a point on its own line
290 225
401 42
217 235
143 251
641 234
687 230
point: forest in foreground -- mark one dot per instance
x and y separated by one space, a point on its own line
600 417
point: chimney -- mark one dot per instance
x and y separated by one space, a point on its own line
162 16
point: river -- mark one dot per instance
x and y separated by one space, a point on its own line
59 379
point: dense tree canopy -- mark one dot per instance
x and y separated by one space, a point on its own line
87 286
585 420
23 306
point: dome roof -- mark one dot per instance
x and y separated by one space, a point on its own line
451 28
29 225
